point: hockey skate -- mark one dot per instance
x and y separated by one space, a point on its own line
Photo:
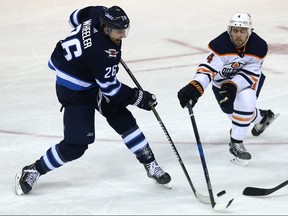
25 179
240 152
155 172
268 118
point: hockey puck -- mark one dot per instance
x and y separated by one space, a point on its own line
221 193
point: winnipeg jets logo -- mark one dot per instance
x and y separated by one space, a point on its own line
112 53
231 69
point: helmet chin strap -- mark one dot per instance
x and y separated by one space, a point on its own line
245 41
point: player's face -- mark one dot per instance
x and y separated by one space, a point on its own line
116 35
239 36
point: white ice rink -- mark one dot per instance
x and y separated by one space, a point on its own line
166 42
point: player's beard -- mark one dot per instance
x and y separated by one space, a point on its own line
238 43
117 42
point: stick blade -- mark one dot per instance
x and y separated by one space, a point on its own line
202 198
222 206
252 191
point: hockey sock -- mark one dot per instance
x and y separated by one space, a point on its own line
136 142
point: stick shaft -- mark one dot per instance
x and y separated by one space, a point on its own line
163 128
201 153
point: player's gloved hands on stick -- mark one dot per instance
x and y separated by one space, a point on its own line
192 92
144 99
228 91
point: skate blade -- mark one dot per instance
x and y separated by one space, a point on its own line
271 121
18 189
267 125
168 185
239 161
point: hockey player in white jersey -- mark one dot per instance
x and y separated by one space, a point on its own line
234 68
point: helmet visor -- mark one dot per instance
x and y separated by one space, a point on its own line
123 32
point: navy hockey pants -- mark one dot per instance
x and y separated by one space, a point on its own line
79 119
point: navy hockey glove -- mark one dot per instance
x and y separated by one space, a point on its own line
144 99
192 91
228 91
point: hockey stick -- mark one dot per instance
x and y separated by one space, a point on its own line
201 198
254 191
215 205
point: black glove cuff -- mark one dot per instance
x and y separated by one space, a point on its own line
198 86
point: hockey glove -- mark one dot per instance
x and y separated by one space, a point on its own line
228 91
144 99
192 91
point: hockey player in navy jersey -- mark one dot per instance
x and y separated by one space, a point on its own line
86 66
234 68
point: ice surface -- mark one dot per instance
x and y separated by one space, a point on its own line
167 40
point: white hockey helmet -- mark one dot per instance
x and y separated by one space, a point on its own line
240 20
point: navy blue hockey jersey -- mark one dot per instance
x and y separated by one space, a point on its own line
87 58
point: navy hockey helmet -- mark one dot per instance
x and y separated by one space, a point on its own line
115 18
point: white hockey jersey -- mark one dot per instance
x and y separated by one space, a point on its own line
225 62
